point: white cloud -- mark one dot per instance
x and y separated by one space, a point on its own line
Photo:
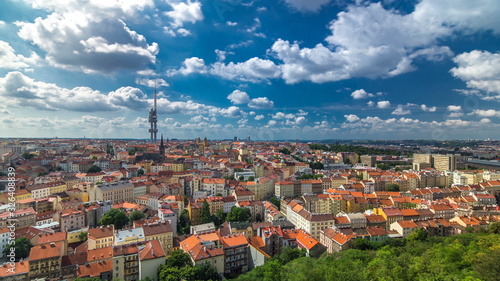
18 89
230 23
280 116
361 94
429 109
90 36
351 118
182 13
259 117
191 65
261 103
400 110
455 114
232 112
307 5
370 103
2 23
486 113
479 69
383 104
238 97
151 82
454 108
253 29
10 60
252 70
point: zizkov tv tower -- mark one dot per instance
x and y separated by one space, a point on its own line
153 119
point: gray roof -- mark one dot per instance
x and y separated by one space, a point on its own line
115 185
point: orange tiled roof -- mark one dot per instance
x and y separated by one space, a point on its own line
46 251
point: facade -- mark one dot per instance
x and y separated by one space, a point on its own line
115 192
45 260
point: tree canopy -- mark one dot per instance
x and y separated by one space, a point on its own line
116 217
22 247
471 256
205 212
136 215
239 214
178 267
94 169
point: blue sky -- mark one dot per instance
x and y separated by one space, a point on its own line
283 69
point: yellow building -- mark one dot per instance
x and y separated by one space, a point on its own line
161 232
101 237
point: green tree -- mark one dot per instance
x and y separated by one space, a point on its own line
27 155
251 178
22 247
184 223
83 236
317 165
94 169
383 167
393 187
136 215
116 217
178 259
140 172
205 212
420 234
239 214
131 151
285 151
276 202
494 228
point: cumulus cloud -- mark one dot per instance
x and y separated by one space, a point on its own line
259 117
351 118
454 108
239 97
10 60
253 70
361 94
428 109
486 113
21 89
182 13
189 66
151 82
370 41
400 110
261 103
480 70
90 36
383 104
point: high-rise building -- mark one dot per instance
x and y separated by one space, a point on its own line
153 119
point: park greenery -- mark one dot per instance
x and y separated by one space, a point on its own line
179 267
470 256
360 150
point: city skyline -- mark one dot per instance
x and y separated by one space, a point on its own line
271 70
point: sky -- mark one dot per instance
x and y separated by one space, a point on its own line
270 70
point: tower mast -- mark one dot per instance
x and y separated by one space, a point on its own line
153 119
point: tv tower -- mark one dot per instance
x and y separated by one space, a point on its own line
153 119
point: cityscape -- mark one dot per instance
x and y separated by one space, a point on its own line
188 140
